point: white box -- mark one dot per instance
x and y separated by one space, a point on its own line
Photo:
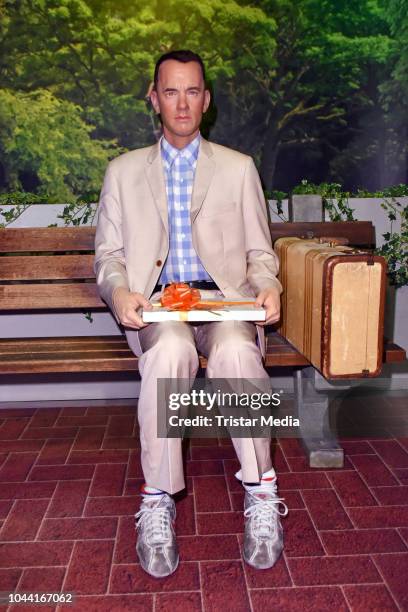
240 312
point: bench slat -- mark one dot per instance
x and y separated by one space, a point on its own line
111 353
50 295
81 361
40 239
15 240
100 353
34 346
43 267
119 339
31 350
393 353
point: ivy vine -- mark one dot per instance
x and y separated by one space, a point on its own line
395 247
79 212
335 200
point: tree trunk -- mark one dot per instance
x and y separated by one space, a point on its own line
270 154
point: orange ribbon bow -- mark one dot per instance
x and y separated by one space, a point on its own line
179 296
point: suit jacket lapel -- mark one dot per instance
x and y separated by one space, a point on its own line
203 175
155 176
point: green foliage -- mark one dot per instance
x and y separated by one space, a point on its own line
77 213
315 78
286 75
12 214
20 200
395 247
321 76
88 315
101 55
45 136
306 188
278 197
395 191
397 17
335 200
82 211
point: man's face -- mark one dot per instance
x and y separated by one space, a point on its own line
181 99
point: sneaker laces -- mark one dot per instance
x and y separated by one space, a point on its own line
155 520
264 510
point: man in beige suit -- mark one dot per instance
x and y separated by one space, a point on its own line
189 210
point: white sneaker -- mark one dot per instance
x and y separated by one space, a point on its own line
156 543
263 540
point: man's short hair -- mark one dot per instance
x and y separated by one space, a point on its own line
182 55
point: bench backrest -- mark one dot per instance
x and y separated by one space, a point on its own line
48 268
359 233
52 268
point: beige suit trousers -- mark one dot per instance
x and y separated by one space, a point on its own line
170 351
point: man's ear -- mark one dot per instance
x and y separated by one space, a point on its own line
155 101
207 100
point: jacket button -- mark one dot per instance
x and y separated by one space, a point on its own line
159 262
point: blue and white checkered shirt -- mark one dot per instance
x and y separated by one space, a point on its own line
182 263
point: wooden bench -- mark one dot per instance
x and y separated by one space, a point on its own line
51 270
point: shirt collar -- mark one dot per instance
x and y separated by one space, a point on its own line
190 152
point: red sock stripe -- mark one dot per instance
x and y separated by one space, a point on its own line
143 490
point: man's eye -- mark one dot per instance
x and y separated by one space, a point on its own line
170 93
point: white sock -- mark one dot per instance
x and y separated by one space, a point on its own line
146 490
267 478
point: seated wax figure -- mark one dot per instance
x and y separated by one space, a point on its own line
186 209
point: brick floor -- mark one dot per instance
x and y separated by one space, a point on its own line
69 480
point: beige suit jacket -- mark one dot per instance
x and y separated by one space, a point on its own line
228 220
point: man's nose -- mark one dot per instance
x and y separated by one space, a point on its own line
182 101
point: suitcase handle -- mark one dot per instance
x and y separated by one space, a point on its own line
333 241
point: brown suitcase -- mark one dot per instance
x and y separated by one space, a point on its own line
333 305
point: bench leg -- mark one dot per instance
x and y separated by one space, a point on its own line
321 446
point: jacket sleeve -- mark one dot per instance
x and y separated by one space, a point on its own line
262 261
110 264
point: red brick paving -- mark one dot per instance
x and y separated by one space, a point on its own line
69 479
294 599
363 597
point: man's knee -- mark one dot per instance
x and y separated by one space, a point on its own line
234 340
174 344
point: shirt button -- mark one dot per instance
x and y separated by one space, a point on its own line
181 180
159 262
181 207
184 262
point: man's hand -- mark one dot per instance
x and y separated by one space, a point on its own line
126 303
269 299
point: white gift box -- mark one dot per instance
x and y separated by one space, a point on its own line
230 312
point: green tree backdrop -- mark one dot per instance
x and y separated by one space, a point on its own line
311 88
